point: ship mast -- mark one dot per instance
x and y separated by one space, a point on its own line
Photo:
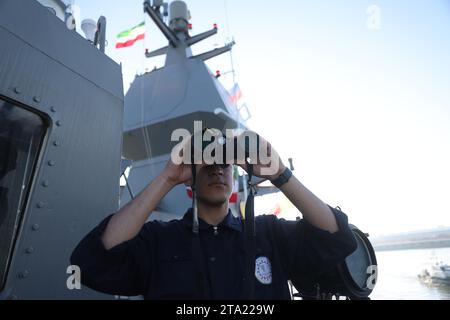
177 33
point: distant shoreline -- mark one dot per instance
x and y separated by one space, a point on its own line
410 245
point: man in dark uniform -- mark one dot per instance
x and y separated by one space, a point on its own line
126 256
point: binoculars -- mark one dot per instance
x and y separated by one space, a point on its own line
217 148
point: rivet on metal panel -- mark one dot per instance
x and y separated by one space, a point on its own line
51 163
29 250
24 274
45 183
40 205
17 90
35 227
52 109
56 143
59 123
36 99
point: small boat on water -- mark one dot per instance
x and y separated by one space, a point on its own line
436 273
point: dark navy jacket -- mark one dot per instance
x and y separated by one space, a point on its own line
158 263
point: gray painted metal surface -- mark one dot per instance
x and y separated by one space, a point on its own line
78 91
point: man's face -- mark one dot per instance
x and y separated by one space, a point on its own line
214 184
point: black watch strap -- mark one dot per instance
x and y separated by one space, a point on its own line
282 178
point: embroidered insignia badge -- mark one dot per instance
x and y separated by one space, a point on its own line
263 270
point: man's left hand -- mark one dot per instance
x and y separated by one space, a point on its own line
268 164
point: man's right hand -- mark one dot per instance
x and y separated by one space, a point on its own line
174 172
127 223
177 173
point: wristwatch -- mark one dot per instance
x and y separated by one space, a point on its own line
282 178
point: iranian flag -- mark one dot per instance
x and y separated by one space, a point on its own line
235 94
129 37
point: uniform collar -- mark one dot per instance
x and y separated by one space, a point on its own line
230 221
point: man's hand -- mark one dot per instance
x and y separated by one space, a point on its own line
313 209
127 223
175 171
268 164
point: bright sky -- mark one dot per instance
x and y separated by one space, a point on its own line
361 104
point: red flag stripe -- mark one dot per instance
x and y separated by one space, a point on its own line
129 43
236 97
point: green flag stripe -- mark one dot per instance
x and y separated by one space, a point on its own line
126 33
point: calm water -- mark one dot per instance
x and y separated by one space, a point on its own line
397 275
